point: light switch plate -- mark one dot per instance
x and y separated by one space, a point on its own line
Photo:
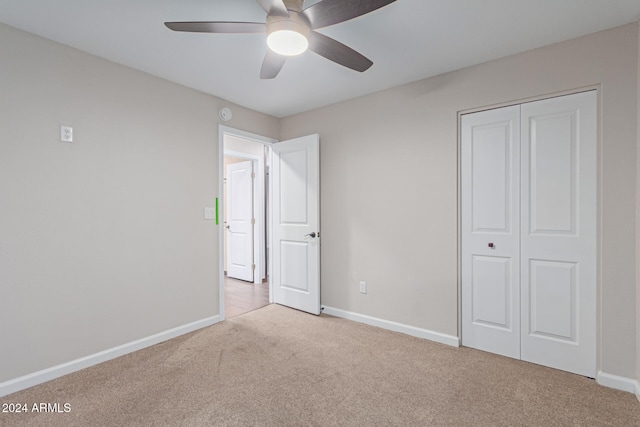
209 213
66 134
363 287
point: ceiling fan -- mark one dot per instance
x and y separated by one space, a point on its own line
291 29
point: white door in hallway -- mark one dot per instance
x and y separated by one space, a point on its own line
295 185
529 232
239 227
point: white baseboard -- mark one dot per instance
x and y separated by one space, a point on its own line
49 374
394 326
619 383
638 390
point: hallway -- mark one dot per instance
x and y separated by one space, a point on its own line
241 297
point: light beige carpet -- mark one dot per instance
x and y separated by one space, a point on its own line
277 366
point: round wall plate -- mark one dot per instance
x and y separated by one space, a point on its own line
225 114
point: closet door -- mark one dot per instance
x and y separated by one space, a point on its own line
558 233
490 157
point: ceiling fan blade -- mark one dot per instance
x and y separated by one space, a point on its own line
335 51
217 27
274 7
329 12
272 64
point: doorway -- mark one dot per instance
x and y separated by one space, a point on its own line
288 197
244 223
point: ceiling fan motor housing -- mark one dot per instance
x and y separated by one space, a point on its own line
293 5
294 22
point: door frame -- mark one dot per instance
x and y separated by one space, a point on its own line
599 187
224 131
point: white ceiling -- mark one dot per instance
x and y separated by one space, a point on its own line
408 40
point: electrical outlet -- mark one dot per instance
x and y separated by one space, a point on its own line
363 287
66 134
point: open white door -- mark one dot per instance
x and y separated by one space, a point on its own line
295 185
239 210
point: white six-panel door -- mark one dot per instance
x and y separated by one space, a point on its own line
295 192
529 232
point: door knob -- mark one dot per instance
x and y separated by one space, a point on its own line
312 234
491 245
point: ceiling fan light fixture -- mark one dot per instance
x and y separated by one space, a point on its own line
287 42
287 35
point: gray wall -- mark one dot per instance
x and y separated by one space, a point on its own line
102 241
389 185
